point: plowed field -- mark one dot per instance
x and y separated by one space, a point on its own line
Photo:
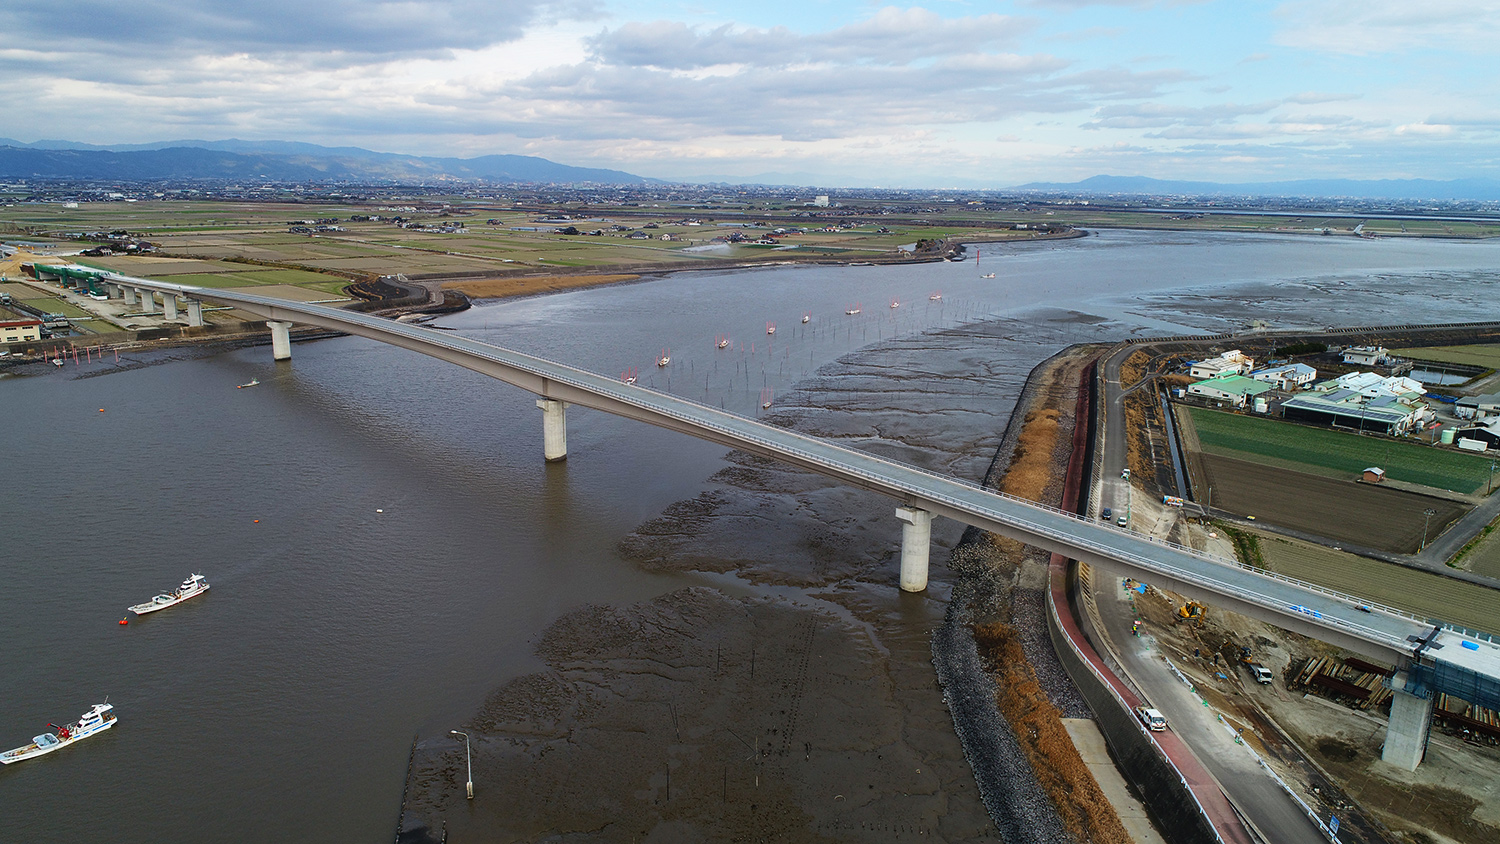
1363 514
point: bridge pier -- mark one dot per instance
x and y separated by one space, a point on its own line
916 544
130 296
281 339
169 305
1410 724
148 301
195 313
554 429
112 290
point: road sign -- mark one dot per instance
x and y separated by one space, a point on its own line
1333 824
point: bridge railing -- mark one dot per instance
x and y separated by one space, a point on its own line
900 476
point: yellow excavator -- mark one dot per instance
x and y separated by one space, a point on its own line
1191 611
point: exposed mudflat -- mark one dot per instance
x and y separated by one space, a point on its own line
842 732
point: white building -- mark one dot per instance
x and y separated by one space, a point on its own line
1292 376
1365 355
1232 362
1374 385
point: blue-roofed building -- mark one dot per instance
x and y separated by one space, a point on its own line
1342 407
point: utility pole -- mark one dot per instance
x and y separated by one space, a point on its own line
1429 513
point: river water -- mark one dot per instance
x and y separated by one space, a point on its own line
385 542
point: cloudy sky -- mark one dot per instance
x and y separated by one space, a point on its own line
949 94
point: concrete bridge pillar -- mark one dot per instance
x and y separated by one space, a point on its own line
112 290
916 543
195 313
148 300
1411 722
129 294
281 339
169 305
554 429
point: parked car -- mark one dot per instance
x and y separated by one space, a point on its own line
1125 473
1154 721
1106 514
1123 520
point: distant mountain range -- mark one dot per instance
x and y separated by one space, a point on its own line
293 161
279 161
1398 189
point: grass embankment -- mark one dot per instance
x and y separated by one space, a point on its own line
1335 453
498 288
1037 724
1485 356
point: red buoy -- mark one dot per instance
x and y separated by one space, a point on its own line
124 621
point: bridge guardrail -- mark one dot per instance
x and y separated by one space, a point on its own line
685 410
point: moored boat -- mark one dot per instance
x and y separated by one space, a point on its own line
251 383
100 717
194 585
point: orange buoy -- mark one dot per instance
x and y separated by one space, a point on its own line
125 621
101 410
257 521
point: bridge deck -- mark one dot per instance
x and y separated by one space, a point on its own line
1346 620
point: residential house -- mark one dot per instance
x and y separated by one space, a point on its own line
1365 355
1232 389
1292 376
1232 362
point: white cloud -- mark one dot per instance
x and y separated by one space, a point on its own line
1389 26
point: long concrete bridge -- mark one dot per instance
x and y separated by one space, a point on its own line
1430 657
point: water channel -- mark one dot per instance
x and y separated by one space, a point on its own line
384 541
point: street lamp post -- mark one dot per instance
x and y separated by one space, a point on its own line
1429 513
469 757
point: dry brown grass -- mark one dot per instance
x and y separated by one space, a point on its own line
499 288
1134 368
1140 410
1038 726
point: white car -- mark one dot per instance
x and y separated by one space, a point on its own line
1125 473
1154 721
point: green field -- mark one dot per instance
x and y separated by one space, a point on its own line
1422 593
1336 453
1485 356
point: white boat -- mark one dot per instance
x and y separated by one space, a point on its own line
895 304
194 585
724 343
807 318
57 361
251 383
936 297
98 719
770 328
988 275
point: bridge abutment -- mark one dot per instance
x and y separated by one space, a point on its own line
916 545
1410 724
281 339
554 429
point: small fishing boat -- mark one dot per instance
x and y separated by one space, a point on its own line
98 719
723 343
988 275
628 376
852 311
936 297
664 359
806 318
57 361
895 304
193 586
251 383
765 399
770 328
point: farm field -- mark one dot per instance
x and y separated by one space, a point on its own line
1335 453
1422 593
1485 356
1344 511
1484 557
